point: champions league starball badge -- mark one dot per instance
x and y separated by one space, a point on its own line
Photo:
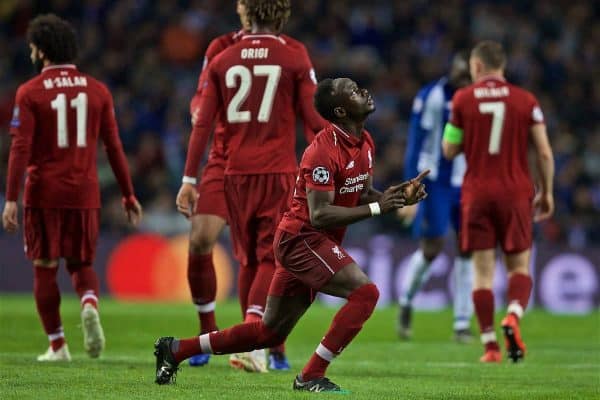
320 175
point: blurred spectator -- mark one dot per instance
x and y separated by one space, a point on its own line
150 54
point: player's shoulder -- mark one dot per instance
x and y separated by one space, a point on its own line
324 141
96 85
293 43
521 93
220 43
28 87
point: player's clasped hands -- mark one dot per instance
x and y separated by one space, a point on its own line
404 194
186 199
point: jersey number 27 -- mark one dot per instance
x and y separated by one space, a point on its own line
79 103
234 114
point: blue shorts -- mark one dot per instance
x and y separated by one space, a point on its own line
440 209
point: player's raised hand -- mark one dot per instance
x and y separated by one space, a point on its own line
186 199
9 216
391 199
543 205
414 190
133 209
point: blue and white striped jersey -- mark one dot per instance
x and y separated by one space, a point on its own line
430 112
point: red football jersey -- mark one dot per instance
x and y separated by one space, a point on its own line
496 118
334 161
256 84
58 118
216 46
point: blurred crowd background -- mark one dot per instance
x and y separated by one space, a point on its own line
150 54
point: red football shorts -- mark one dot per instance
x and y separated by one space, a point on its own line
255 204
305 263
211 200
52 233
485 222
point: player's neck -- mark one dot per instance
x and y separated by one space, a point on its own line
491 74
351 127
263 29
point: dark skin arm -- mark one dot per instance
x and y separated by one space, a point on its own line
325 215
370 194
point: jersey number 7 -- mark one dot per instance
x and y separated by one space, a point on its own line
272 72
497 109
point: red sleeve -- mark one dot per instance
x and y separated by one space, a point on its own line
109 132
371 151
214 48
456 112
307 85
319 167
22 128
208 103
537 116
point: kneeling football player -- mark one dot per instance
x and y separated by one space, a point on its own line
333 189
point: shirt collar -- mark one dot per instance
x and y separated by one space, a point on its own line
342 134
59 66
262 36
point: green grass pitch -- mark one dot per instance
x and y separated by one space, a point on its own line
563 360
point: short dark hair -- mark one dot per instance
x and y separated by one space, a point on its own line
268 12
54 36
490 53
325 99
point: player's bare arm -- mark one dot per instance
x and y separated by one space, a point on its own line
544 199
324 215
207 110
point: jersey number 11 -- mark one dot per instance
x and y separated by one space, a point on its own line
79 103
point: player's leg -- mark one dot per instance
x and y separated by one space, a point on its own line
519 290
85 283
41 228
273 192
516 241
287 301
462 275
204 232
478 235
430 225
324 266
47 301
484 262
242 204
80 235
417 274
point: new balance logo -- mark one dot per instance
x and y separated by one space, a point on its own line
350 165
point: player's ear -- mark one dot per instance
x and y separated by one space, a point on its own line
339 112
